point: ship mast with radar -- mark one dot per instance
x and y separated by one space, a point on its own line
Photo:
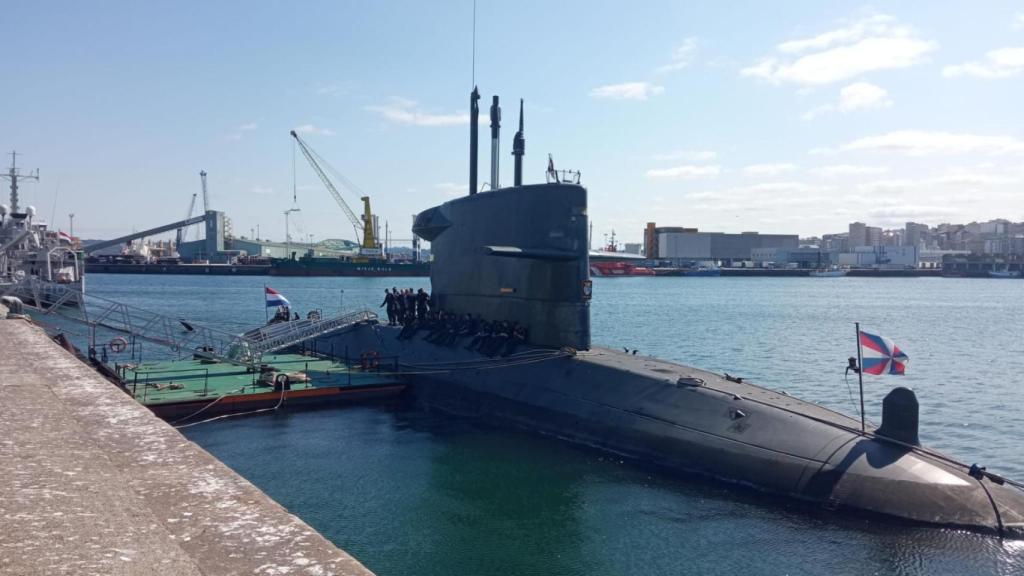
14 174
31 253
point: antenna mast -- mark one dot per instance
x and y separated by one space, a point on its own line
14 175
474 43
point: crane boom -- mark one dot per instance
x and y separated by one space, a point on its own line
183 232
357 224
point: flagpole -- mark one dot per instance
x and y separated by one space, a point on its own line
860 377
266 316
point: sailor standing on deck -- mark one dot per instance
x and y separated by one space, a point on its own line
410 304
399 304
392 306
422 299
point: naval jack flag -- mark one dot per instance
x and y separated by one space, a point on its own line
877 355
881 355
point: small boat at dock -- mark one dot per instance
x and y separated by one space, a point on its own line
1005 273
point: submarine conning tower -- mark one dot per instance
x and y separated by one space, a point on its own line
517 254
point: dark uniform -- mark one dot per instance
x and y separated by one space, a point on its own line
410 304
392 306
400 303
422 300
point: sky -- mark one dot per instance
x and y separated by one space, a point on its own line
779 117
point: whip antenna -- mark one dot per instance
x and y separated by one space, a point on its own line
474 43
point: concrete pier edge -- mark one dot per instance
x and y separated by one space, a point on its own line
92 483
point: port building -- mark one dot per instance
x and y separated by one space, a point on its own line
679 244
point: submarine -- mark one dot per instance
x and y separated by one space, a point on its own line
520 254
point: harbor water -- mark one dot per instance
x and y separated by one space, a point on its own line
408 492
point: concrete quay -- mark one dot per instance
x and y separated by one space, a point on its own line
92 483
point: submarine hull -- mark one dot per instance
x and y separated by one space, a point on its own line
519 256
693 421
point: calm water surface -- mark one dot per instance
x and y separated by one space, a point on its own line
413 493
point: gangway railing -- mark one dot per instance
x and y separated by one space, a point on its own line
284 334
242 349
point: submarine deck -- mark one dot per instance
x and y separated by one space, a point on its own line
671 373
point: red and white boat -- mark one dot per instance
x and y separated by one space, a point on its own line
619 269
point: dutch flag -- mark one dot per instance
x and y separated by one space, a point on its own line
274 298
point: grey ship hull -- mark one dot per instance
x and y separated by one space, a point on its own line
737 432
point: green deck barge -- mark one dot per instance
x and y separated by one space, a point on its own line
178 388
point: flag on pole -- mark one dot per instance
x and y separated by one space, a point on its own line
65 236
274 298
881 355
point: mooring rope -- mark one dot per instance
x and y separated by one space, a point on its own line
280 401
210 404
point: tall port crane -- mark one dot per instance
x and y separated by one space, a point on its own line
206 197
365 226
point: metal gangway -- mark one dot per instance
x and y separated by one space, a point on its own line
179 335
284 334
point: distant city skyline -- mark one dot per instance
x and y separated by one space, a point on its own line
792 118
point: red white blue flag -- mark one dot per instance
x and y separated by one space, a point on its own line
881 355
274 298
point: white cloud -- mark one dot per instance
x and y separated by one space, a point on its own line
311 129
874 43
237 134
1001 63
876 24
451 189
261 190
1018 21
627 91
331 89
405 111
895 215
965 177
688 155
768 170
784 187
681 57
955 180
818 111
929 143
686 172
862 95
856 96
844 170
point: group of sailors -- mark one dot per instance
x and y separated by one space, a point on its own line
414 311
405 306
283 314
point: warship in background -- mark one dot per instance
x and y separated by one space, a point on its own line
519 255
29 249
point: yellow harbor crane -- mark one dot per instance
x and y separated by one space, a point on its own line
366 225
